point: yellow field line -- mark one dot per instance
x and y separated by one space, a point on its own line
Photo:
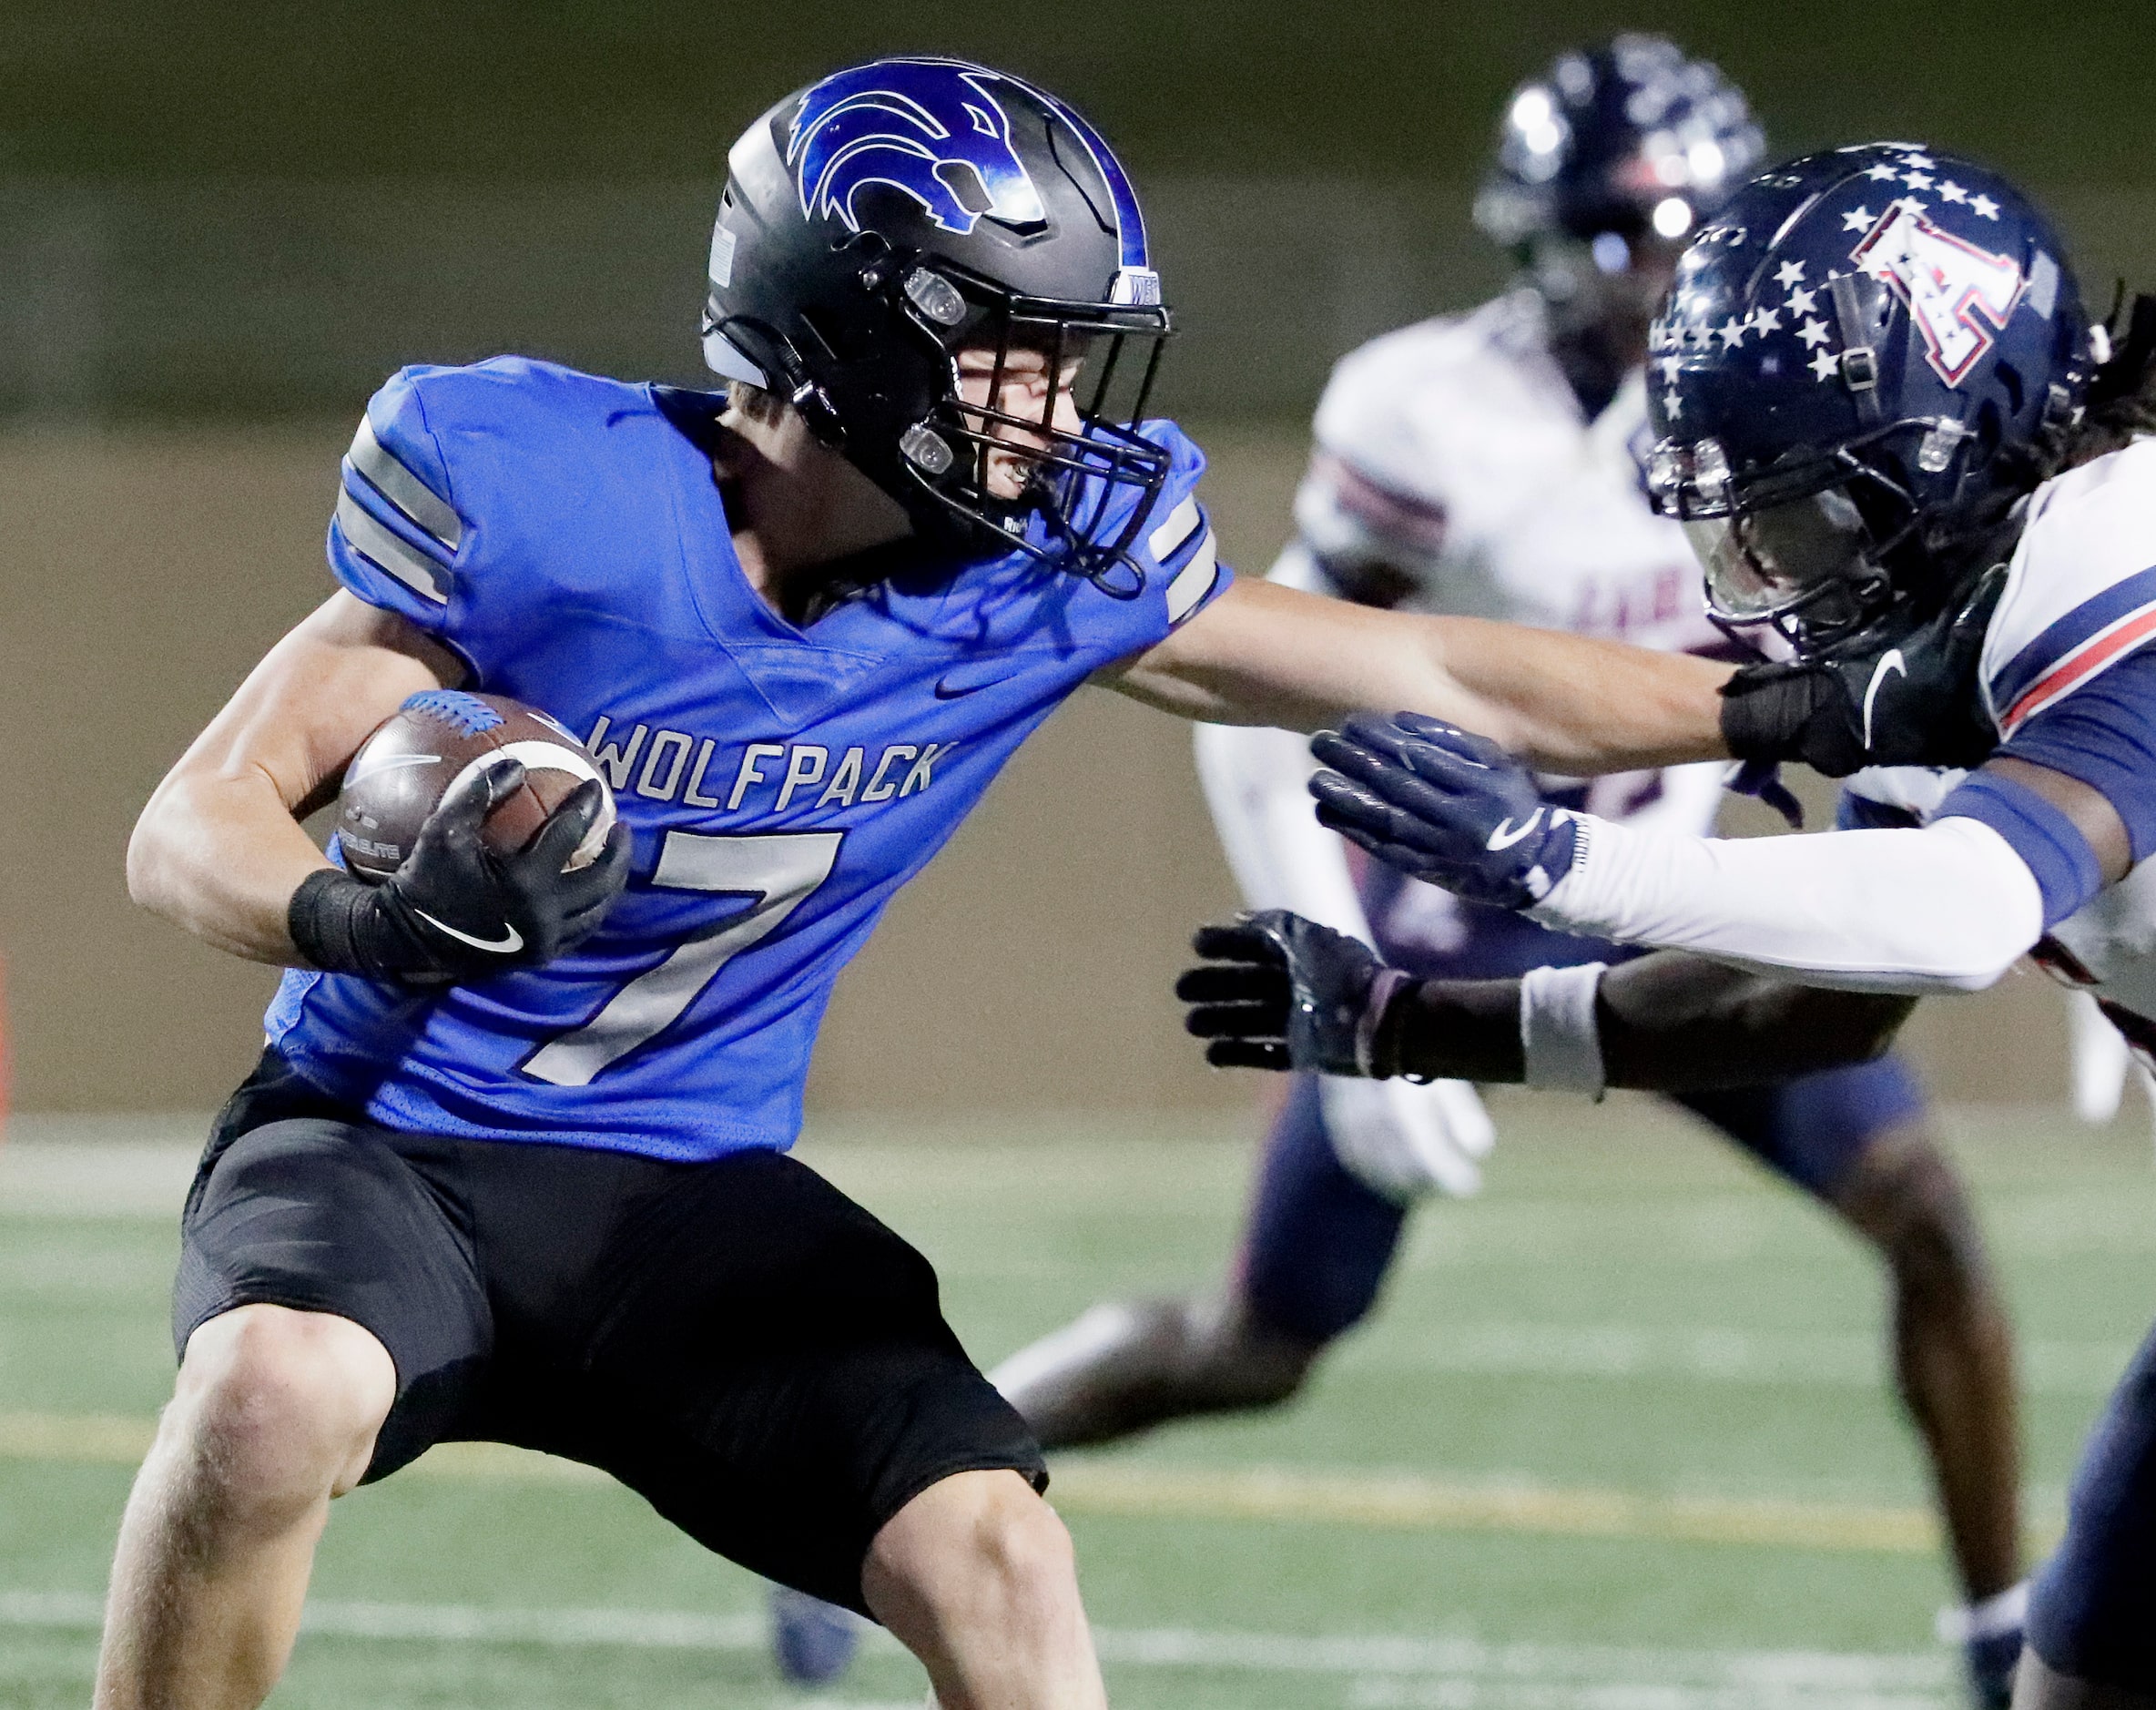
1409 1502
1381 1500
117 1439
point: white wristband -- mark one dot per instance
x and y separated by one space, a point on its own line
1560 1043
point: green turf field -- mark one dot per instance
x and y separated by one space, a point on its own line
1619 1441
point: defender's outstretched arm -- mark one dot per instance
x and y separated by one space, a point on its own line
1264 655
1668 1023
2011 850
1277 991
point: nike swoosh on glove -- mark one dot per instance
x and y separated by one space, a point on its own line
1443 805
1891 698
457 911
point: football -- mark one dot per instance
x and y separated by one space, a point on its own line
418 754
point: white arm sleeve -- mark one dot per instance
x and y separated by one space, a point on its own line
1944 909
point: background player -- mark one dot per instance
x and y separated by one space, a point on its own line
1493 464
509 1173
1944 451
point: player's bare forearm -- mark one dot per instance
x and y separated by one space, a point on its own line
219 850
1668 1023
1677 1023
1266 654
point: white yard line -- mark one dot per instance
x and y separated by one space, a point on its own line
1386 1669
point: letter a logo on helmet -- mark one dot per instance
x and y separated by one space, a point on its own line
1947 283
930 129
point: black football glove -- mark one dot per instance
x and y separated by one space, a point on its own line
1278 991
457 911
1912 700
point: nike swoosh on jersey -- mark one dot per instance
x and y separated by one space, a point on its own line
970 679
508 944
1892 660
1504 837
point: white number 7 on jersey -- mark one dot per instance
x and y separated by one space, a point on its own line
780 868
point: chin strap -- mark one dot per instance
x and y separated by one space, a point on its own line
1860 356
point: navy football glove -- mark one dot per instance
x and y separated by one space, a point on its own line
1913 699
1443 805
1278 991
458 910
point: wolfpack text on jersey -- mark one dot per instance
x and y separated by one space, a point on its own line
566 536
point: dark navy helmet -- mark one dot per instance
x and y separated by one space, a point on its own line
1867 358
881 220
1612 147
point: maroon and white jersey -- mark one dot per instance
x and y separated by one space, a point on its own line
1455 453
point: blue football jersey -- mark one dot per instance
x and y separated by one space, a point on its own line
565 536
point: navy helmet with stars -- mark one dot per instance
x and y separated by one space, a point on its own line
1867 358
1625 141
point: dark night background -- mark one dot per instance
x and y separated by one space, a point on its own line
655 88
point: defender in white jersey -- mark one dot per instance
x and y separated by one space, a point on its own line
1493 466
1959 470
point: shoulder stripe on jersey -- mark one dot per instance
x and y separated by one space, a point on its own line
373 540
424 507
2066 635
2104 648
1175 533
1193 581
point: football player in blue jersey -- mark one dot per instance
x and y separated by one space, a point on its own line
1894 438
1493 463
512 1165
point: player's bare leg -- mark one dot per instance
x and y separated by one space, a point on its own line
1129 1365
1953 1348
2040 1687
975 1576
274 1413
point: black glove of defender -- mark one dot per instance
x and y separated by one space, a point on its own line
1278 991
457 911
1911 702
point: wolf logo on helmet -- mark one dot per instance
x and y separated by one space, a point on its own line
890 217
1947 283
910 125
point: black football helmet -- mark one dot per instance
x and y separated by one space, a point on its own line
884 219
1867 358
1612 147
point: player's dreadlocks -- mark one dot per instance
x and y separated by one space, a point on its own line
2120 406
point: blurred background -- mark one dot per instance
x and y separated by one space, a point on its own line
1622 1436
220 232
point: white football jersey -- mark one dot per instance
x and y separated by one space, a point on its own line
1455 452
2080 597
